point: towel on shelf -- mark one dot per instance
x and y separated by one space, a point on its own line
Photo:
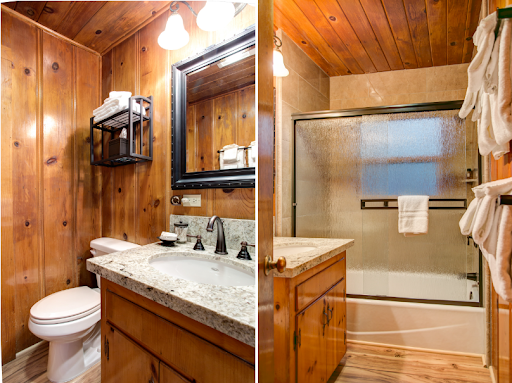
114 108
117 94
483 39
413 215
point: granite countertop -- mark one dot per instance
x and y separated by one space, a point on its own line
325 248
228 309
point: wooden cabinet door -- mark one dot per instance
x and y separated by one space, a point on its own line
311 331
339 320
168 375
126 361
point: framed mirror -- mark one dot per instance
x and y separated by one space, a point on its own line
213 116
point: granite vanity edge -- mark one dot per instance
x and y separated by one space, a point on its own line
242 332
309 264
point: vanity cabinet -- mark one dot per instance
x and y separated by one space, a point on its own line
310 322
144 341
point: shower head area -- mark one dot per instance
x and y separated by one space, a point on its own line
350 167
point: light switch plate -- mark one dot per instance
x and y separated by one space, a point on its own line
194 200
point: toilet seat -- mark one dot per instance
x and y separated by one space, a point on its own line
66 306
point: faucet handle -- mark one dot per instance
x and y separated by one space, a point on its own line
199 244
244 254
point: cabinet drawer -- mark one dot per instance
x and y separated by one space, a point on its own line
185 352
311 289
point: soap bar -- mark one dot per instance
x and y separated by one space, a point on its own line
168 236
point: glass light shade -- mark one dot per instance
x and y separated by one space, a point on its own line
215 16
174 36
279 68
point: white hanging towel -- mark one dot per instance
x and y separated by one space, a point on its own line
413 215
502 127
252 153
232 157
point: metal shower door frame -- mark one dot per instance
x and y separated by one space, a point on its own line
424 107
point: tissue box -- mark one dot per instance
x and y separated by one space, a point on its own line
118 147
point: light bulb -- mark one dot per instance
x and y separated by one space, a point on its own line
174 36
215 16
279 68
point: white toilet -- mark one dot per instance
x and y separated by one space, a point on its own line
70 321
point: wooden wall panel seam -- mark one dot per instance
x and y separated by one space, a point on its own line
75 172
48 30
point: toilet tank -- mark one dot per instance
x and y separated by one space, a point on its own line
102 246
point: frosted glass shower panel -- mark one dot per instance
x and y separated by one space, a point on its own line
341 161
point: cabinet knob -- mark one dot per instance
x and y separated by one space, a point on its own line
280 264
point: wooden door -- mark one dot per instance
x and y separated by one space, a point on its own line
265 191
126 361
168 375
312 332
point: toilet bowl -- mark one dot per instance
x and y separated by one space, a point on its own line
70 321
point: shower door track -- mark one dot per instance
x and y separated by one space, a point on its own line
424 107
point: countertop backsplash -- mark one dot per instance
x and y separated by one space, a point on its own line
235 230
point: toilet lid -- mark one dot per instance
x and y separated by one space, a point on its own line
66 304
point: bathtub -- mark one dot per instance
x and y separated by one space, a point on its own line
429 326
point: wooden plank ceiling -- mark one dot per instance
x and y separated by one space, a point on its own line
96 24
365 36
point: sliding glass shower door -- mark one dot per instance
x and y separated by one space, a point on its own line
346 171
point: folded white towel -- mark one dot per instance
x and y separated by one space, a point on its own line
117 107
252 154
238 162
466 222
413 215
115 94
230 153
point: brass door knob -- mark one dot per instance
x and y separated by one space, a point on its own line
280 264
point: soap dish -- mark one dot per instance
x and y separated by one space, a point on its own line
167 243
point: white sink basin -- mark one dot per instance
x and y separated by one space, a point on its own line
291 250
204 271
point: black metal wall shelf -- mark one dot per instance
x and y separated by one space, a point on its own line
134 122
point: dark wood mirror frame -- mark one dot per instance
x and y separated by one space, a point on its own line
226 178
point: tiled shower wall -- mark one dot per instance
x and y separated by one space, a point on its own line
412 86
305 89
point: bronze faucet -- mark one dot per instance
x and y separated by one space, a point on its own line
221 241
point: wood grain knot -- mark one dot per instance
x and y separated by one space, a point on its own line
98 32
30 12
144 210
27 71
27 223
469 38
202 117
157 202
119 190
125 237
278 307
153 369
17 144
88 140
51 160
48 10
244 115
121 63
68 282
12 65
332 18
349 72
303 42
227 191
65 223
153 13
453 43
154 138
55 66
220 117
143 49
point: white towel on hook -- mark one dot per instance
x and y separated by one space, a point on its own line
413 215
230 153
502 127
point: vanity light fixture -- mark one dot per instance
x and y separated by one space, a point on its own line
279 68
174 36
214 16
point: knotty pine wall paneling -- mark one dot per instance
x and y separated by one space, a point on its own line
50 193
136 198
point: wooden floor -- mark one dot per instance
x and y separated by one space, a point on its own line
30 366
376 364
370 364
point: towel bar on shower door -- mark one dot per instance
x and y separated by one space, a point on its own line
385 203
505 200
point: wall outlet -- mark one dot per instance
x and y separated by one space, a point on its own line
194 200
